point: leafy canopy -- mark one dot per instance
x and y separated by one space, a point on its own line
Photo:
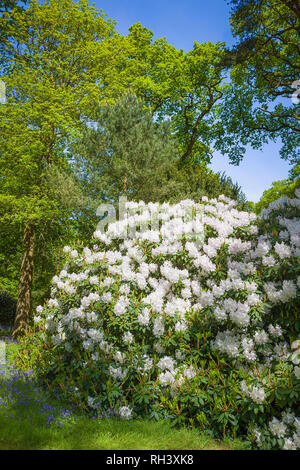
265 65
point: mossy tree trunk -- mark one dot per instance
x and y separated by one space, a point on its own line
25 285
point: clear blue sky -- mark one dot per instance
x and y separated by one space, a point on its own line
182 23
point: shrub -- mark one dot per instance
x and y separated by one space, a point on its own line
191 320
7 308
278 189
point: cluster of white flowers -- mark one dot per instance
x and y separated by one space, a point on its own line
278 428
257 394
125 412
276 294
166 363
182 261
121 305
93 403
117 372
287 429
227 342
144 317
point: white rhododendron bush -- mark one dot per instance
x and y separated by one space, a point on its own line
188 312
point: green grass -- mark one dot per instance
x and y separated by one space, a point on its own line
110 434
23 426
5 332
11 350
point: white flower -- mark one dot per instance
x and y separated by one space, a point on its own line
127 337
297 372
220 314
282 250
107 282
277 428
125 412
158 328
180 326
227 342
125 289
74 254
94 280
260 337
180 355
240 316
262 249
268 261
95 335
144 317
189 372
166 363
275 331
53 303
117 372
121 305
289 445
58 339
166 378
91 317
93 403
257 394
106 297
148 363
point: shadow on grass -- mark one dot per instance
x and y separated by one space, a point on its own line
33 420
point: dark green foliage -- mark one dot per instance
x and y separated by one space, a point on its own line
127 152
265 66
194 180
123 151
278 189
5 7
7 308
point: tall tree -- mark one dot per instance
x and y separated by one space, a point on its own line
278 188
123 150
50 78
7 7
192 180
186 88
265 70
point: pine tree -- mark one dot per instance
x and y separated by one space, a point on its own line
124 149
50 77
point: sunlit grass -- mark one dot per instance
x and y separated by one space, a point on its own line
31 419
110 434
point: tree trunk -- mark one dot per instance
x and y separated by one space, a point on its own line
125 183
25 285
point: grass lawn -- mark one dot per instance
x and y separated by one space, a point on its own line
30 419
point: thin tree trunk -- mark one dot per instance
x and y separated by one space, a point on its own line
125 183
25 285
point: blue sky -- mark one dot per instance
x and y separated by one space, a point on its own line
182 23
